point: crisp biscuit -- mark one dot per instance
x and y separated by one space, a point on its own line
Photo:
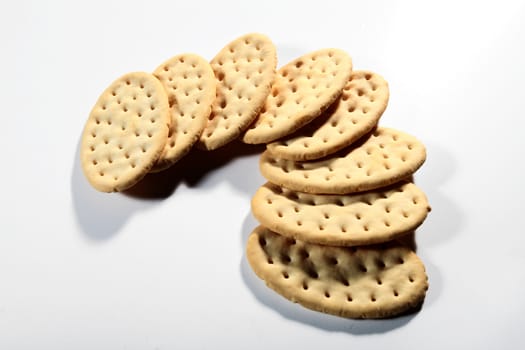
125 133
245 69
190 84
381 158
341 220
302 90
355 113
354 282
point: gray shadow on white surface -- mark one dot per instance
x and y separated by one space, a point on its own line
446 218
100 215
435 281
297 313
237 162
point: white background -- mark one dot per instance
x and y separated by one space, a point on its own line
164 267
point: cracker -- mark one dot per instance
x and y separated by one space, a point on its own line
356 282
355 113
125 132
190 84
302 90
341 220
384 157
245 69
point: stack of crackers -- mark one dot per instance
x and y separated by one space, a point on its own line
339 193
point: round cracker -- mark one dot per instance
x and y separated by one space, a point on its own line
245 69
125 132
341 220
376 281
302 90
190 84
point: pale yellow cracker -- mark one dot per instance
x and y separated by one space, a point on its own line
125 132
355 282
356 112
190 84
302 90
383 158
341 220
245 69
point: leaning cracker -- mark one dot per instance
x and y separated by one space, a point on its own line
341 220
384 157
302 90
355 113
245 69
357 282
125 132
190 84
